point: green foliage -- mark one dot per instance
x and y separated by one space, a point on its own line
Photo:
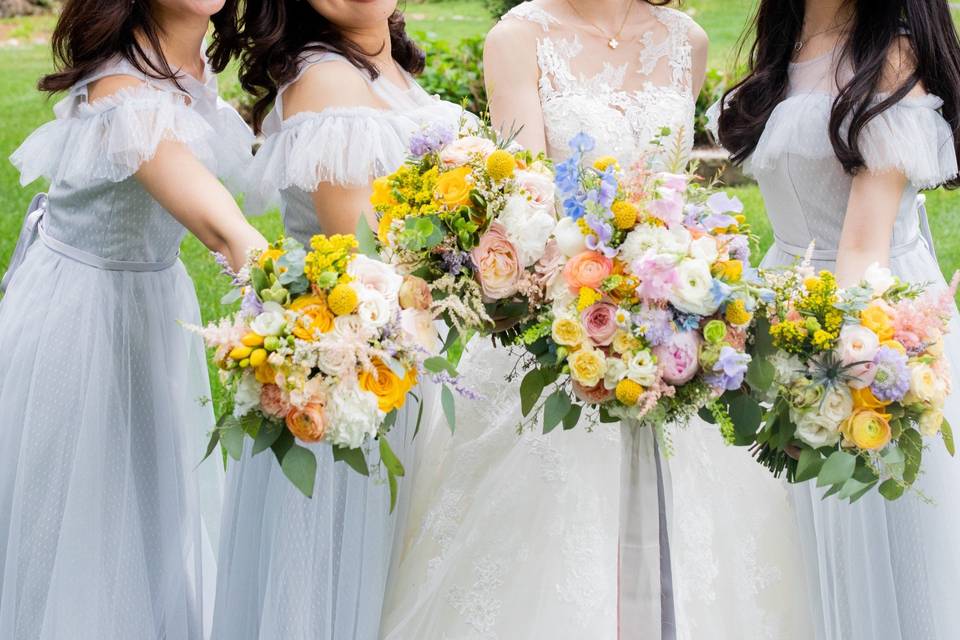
499 7
454 71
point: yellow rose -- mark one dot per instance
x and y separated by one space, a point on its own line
453 188
864 399
623 342
876 319
867 429
313 316
930 423
382 195
567 332
382 382
587 366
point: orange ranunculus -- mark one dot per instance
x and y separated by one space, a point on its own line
382 382
864 399
868 430
382 195
313 317
308 424
454 187
876 318
588 269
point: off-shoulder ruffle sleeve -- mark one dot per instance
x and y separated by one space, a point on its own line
348 146
109 139
911 136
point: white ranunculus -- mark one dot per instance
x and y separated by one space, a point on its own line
373 308
837 404
353 416
693 292
528 227
270 321
569 237
247 397
815 429
420 327
642 369
373 274
705 248
673 243
616 371
878 278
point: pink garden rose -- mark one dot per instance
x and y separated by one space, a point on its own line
857 347
463 150
415 294
592 395
679 358
600 322
498 265
538 188
376 275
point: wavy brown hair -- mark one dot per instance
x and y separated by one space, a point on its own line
270 38
91 32
875 32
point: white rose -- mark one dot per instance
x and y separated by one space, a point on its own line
351 328
569 237
693 292
925 385
353 415
373 274
463 150
705 248
372 308
648 238
814 429
539 188
247 397
878 278
419 326
270 321
857 347
642 369
930 423
528 227
616 371
837 405
336 358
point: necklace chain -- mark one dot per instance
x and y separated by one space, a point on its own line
800 44
612 41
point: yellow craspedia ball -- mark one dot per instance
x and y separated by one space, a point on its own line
342 299
605 162
628 392
737 314
624 215
501 165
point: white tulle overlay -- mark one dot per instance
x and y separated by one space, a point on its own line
876 570
294 568
101 532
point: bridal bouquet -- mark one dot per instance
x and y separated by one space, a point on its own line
326 347
856 379
471 214
649 310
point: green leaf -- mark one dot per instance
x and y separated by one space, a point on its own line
530 389
416 429
911 442
452 337
832 490
389 421
859 494
449 407
555 409
212 444
268 434
850 488
282 444
250 424
606 418
763 342
232 438
300 466
231 296
436 364
394 490
747 414
895 460
891 489
390 459
366 240
572 418
809 465
947 432
353 457
837 469
760 374
258 277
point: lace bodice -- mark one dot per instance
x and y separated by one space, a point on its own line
623 98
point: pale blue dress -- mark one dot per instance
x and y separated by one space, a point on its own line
876 570
101 533
294 568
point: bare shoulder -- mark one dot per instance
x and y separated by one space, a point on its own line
900 66
334 83
699 39
511 32
111 85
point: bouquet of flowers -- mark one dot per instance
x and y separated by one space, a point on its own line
471 214
326 347
855 379
649 310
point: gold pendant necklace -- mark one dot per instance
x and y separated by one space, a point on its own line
612 41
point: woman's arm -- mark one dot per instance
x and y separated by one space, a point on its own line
700 44
189 192
512 79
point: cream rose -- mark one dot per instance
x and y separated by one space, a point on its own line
465 149
270 321
420 327
837 405
815 429
925 385
528 227
373 274
373 308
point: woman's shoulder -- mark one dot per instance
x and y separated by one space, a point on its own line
329 81
527 15
679 21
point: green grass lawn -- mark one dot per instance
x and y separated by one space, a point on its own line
23 109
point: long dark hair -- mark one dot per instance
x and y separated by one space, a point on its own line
88 34
874 34
270 38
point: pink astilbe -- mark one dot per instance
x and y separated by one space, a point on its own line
224 333
922 322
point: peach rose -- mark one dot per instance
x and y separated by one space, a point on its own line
465 149
308 424
272 401
415 294
497 262
587 269
592 395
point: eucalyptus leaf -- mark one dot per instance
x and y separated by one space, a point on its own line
573 417
300 467
250 424
232 439
436 364
231 296
850 488
763 341
212 444
747 414
366 239
353 457
530 389
837 469
706 415
389 421
268 434
394 490
911 442
809 465
891 489
282 444
947 432
760 374
555 409
831 491
390 459
449 407
859 494
606 417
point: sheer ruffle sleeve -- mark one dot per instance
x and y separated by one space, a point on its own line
341 146
911 136
109 139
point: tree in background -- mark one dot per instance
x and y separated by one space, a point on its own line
500 7
11 8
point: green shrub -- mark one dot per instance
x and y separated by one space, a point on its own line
499 7
714 86
455 71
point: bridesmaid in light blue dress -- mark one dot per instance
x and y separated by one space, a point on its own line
293 568
101 535
876 570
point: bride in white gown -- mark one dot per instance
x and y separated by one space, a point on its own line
516 537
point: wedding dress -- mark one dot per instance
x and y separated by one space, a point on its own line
515 537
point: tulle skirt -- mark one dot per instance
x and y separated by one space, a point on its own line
101 536
880 570
298 568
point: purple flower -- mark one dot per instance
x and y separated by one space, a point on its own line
430 139
655 323
574 207
608 188
720 202
582 143
251 306
454 262
602 234
567 176
717 221
730 369
892 380
738 246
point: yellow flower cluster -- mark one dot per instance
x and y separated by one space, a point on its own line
330 254
404 193
789 335
820 327
588 297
